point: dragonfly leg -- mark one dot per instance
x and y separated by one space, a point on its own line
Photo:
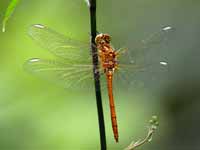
121 51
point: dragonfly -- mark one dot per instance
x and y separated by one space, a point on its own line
73 64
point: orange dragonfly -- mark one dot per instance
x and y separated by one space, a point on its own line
73 65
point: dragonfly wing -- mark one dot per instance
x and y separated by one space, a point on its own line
146 50
58 44
126 76
68 75
145 61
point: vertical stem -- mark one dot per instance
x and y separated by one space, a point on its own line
92 6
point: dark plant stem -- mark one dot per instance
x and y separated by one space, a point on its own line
92 6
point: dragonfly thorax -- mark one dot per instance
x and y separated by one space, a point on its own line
107 55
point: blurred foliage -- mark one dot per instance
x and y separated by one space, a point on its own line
9 11
36 114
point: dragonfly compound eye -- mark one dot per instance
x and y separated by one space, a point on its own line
102 38
98 39
107 38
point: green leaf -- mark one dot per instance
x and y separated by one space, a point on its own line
10 9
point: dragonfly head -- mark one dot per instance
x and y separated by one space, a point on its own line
102 39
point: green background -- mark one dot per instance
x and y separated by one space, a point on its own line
38 115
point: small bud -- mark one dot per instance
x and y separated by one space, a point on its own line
155 118
153 127
150 139
151 121
157 123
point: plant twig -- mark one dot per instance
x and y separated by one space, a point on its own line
92 8
152 128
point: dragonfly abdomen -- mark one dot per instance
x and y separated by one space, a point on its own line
109 76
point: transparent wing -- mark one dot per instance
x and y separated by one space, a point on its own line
139 52
68 75
58 44
145 60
